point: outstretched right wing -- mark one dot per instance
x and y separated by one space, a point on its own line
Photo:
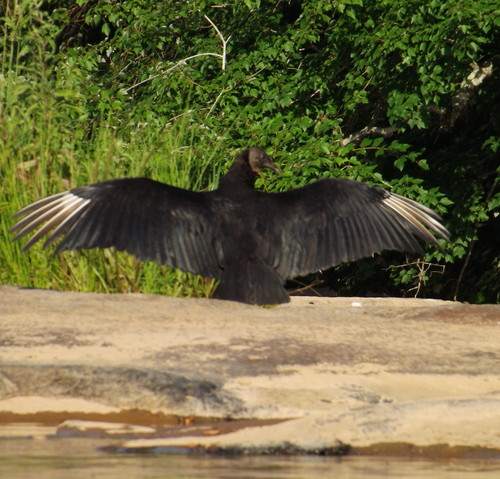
151 220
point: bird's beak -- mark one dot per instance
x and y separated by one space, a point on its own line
273 167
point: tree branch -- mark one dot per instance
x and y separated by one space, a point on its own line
464 94
459 101
223 40
184 60
356 137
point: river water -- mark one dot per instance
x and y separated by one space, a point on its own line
71 458
32 451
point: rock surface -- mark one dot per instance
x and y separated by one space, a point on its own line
355 371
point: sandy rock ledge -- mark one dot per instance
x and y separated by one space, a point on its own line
343 372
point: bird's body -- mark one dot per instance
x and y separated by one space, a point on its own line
250 240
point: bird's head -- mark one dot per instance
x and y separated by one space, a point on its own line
258 160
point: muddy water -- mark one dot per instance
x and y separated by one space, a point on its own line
26 453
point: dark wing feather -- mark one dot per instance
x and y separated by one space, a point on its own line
151 220
333 221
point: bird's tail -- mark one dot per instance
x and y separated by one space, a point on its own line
253 283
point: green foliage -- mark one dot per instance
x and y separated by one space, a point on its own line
51 141
374 91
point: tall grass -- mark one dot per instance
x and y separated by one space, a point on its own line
49 142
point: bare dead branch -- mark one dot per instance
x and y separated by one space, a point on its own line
465 93
460 100
223 40
311 286
168 70
184 60
423 268
356 137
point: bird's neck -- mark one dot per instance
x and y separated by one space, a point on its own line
238 176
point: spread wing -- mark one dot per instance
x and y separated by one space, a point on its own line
151 220
337 220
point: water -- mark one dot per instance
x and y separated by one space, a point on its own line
78 458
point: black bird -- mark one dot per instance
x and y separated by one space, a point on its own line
250 240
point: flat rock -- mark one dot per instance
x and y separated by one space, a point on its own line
342 371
